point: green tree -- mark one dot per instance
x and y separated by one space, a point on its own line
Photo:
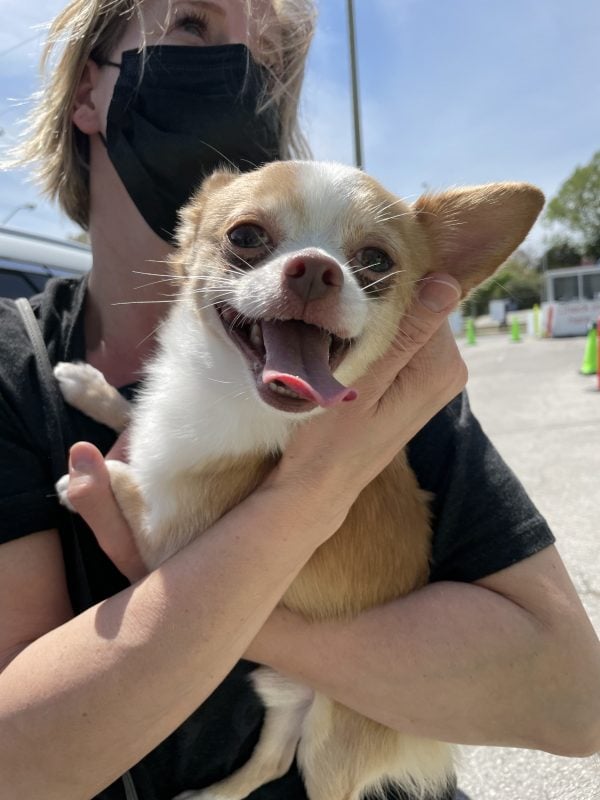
516 281
561 254
577 206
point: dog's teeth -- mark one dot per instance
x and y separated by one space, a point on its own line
275 387
256 335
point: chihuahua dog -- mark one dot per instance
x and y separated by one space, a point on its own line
293 280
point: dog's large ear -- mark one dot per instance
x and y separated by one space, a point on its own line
473 230
190 214
217 180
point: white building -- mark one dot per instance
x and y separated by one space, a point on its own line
572 300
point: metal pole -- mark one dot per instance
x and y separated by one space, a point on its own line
358 158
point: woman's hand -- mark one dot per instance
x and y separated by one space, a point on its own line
90 495
335 455
338 453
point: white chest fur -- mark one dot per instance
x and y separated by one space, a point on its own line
199 404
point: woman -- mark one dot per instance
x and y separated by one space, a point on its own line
87 694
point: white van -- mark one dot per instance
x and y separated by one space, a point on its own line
28 260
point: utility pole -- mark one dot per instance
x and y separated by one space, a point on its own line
358 157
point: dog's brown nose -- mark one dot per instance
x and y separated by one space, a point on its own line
312 275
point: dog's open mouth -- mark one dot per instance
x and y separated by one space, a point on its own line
293 362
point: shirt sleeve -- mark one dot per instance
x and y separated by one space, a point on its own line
483 519
28 501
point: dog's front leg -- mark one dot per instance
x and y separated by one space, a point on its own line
86 389
286 705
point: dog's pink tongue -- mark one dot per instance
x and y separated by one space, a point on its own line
298 357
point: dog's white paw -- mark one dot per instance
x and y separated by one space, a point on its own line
61 489
86 389
77 380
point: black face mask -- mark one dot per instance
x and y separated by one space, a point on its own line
179 112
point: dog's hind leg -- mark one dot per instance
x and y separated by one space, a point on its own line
286 705
127 494
345 756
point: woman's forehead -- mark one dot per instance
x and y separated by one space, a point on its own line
246 11
251 22
160 11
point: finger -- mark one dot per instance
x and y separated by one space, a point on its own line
442 359
436 374
90 495
438 295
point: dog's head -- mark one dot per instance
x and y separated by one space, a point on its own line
305 268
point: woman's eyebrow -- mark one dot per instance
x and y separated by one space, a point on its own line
210 5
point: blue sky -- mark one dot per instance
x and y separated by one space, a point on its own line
453 92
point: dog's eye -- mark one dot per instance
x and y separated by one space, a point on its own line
374 259
249 237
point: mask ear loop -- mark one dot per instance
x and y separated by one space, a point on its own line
107 64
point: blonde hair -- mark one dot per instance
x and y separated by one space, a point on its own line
92 29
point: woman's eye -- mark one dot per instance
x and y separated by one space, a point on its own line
249 237
196 24
374 259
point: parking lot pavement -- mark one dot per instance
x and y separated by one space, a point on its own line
544 418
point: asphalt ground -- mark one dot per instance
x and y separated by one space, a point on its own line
544 418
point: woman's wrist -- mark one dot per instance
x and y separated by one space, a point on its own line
313 506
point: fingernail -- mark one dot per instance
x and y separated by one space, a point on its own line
438 295
81 464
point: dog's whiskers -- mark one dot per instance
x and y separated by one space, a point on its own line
218 290
153 283
148 302
209 305
381 209
157 274
216 380
219 153
152 333
370 266
157 261
237 255
361 269
394 216
383 278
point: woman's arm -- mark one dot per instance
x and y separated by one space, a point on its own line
511 660
94 695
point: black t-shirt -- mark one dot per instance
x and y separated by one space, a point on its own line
483 522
